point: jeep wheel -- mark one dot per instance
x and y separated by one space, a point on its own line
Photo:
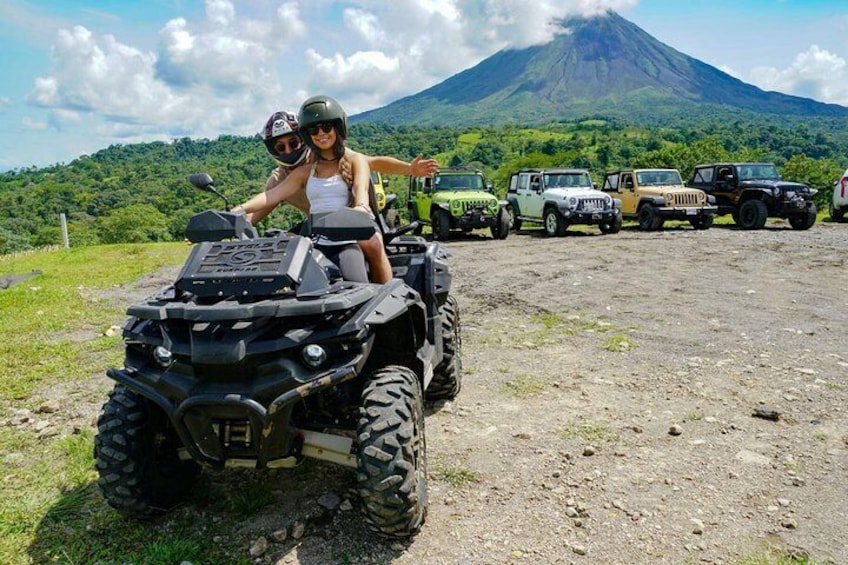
803 221
702 222
836 214
447 376
752 215
500 229
135 451
392 457
649 219
613 226
555 226
514 220
441 225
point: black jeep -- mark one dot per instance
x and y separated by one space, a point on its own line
753 192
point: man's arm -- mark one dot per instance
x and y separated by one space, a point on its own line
418 167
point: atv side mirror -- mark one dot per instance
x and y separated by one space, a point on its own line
202 181
205 183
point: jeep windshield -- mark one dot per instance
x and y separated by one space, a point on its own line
758 172
658 178
568 180
459 182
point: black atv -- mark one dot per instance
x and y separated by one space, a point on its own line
261 354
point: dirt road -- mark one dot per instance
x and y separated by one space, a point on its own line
667 397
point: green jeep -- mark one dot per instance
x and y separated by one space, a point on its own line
457 198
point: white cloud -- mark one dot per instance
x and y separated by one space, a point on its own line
29 123
815 73
410 45
225 72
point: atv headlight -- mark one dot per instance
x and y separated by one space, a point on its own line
163 356
314 355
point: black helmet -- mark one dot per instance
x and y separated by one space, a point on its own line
278 125
322 109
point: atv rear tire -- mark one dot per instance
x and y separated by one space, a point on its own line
135 450
447 376
392 457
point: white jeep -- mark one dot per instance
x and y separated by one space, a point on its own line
558 198
839 201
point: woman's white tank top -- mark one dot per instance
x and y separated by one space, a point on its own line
326 195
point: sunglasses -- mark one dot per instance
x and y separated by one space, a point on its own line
287 146
326 127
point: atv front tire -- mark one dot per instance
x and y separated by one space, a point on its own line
135 450
447 376
392 457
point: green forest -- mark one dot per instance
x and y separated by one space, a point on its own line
140 193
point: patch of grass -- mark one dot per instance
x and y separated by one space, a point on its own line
590 433
619 343
774 556
51 325
819 436
693 417
250 500
454 474
833 386
523 386
51 328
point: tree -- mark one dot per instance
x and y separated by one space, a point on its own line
138 223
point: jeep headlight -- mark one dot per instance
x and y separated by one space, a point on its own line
455 205
669 200
493 206
776 192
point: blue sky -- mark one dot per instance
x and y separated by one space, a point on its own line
79 76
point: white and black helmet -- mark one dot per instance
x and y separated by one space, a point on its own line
282 124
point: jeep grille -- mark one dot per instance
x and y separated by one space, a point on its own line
686 199
592 204
475 204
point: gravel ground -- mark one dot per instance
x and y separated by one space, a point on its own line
667 397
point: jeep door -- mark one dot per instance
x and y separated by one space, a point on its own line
533 196
624 189
421 196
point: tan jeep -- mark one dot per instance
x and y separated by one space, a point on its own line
652 196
